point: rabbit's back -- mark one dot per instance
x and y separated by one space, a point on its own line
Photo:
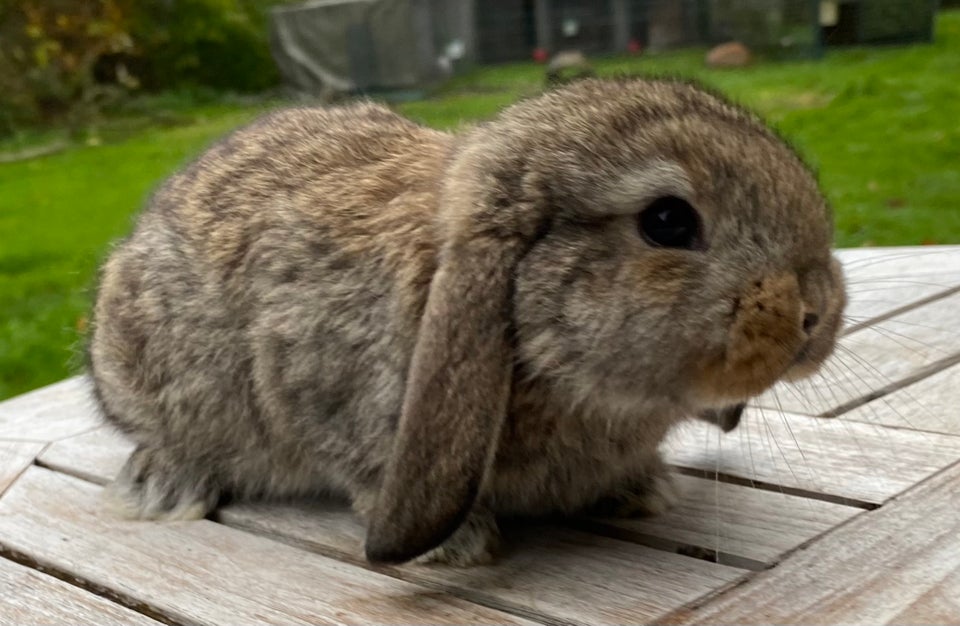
260 318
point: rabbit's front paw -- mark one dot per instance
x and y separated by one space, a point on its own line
476 542
653 494
153 487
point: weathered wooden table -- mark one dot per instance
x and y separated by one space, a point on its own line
834 502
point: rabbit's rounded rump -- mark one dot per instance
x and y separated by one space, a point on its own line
450 327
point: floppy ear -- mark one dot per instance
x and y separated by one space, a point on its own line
456 401
458 385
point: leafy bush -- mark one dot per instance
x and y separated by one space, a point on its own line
210 43
48 53
61 59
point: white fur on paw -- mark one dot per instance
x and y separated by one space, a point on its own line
117 501
661 495
476 542
147 503
184 512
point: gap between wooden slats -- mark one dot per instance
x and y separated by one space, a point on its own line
542 562
56 411
877 360
202 572
884 283
32 597
888 281
746 527
931 404
15 457
826 458
899 564
856 464
736 524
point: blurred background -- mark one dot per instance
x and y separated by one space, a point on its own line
101 99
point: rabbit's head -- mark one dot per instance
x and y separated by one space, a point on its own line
638 240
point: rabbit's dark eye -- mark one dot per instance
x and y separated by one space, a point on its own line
671 222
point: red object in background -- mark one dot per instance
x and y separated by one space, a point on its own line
634 47
540 55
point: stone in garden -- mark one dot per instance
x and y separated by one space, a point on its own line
566 66
730 54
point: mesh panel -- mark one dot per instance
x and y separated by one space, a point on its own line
342 45
895 20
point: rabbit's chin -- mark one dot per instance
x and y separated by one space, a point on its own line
723 383
802 368
726 381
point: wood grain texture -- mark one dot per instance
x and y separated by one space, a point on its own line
885 354
737 521
204 572
63 409
845 460
562 573
30 597
749 523
15 457
881 280
931 404
899 564
96 455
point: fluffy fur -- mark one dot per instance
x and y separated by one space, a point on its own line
447 328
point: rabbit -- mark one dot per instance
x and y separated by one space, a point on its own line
451 328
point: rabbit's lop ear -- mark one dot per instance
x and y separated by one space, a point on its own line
459 380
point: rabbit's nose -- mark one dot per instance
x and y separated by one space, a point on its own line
810 320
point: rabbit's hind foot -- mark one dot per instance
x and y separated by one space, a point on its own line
153 487
476 542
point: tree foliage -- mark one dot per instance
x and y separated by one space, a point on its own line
65 58
214 43
48 54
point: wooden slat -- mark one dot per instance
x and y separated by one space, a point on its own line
206 572
96 455
835 458
931 404
551 567
566 574
899 564
891 352
30 597
61 410
881 280
736 521
15 457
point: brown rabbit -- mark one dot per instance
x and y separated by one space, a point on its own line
447 327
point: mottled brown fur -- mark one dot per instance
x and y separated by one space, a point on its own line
447 328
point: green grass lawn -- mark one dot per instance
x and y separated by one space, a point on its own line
882 125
